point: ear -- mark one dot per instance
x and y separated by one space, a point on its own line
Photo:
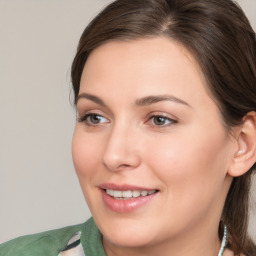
245 154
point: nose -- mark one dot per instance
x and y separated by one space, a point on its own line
121 151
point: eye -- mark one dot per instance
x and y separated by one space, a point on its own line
161 121
92 119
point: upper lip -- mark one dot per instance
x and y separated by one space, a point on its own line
124 187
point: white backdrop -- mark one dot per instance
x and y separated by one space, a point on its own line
38 186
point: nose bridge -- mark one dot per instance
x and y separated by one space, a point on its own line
120 150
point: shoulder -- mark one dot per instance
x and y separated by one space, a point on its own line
41 244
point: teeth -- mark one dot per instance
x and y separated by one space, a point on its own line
117 194
143 193
128 193
111 192
135 193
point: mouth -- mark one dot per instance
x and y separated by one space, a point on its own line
129 194
126 198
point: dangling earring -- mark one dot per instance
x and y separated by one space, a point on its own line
224 241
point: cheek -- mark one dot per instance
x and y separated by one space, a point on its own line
86 158
192 173
190 166
86 154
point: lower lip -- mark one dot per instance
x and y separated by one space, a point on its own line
127 205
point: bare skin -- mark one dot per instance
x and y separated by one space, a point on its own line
146 119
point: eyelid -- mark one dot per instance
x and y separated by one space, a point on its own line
90 107
172 120
82 118
84 115
82 112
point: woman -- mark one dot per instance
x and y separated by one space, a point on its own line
165 142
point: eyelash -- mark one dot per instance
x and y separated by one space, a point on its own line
164 118
88 115
152 117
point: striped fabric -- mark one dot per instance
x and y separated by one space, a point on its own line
73 247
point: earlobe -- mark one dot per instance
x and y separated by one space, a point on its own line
245 155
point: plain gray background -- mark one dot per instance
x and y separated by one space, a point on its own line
38 186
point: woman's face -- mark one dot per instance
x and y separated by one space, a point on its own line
149 148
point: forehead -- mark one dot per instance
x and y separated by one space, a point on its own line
153 65
154 50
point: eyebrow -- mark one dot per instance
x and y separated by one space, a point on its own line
148 100
145 101
91 98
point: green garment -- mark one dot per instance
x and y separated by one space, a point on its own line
52 243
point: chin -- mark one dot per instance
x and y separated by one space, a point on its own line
128 233
128 239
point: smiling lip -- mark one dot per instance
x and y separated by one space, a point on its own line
128 204
123 187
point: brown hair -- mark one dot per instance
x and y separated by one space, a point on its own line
220 37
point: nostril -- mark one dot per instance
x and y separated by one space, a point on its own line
121 163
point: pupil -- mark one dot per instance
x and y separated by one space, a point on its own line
95 119
159 120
